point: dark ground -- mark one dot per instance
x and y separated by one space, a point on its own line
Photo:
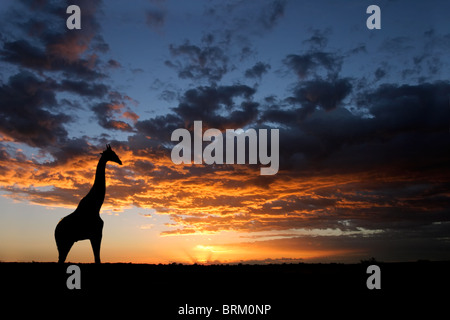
294 291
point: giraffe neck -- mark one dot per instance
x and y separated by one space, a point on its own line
99 182
96 195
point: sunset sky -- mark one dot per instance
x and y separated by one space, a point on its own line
364 120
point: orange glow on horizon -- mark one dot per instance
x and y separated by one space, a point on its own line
191 204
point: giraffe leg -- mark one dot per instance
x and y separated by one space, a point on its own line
95 243
63 249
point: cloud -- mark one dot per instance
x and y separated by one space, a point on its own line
312 63
208 103
168 96
71 150
208 62
22 53
62 66
144 166
218 107
131 116
155 19
272 13
257 70
29 111
423 61
379 74
318 40
159 128
403 128
319 93
106 112
84 88
72 53
114 64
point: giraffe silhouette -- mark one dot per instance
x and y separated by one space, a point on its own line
85 222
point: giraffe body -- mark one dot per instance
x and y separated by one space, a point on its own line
85 222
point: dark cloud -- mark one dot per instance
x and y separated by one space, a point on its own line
405 128
210 60
257 70
246 52
359 49
216 106
379 74
423 56
143 166
207 62
114 64
155 19
84 88
159 128
320 93
22 53
49 45
221 107
29 111
318 40
307 97
168 95
314 63
272 13
386 125
409 108
106 112
70 149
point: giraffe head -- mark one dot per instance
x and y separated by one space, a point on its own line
110 155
